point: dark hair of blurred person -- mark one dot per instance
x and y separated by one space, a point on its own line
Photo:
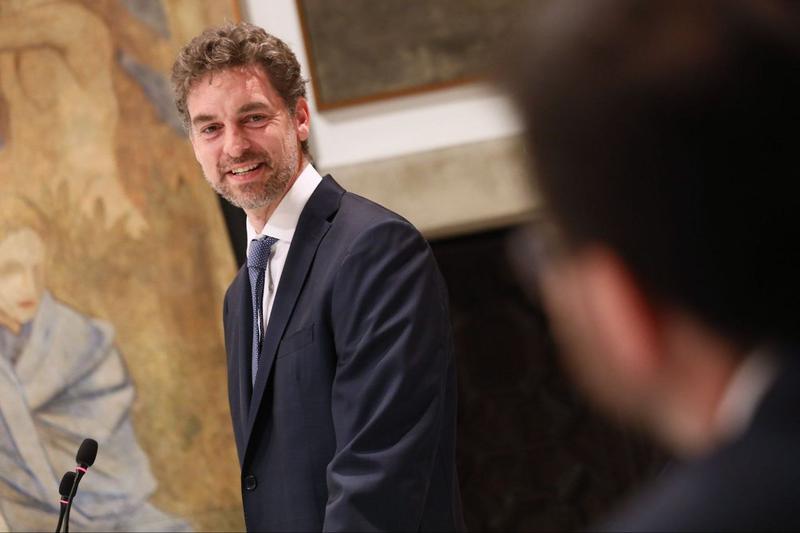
664 138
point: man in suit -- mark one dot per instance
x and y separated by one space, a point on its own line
340 361
664 136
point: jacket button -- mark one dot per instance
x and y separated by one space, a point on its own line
250 482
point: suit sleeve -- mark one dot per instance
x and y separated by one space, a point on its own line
392 337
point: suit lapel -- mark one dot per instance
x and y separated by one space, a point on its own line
311 228
239 352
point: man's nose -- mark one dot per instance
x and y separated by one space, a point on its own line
236 142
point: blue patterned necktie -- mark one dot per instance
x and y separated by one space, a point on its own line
257 261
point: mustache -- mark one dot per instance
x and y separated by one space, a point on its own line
249 156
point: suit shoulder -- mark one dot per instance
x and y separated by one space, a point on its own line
746 485
358 215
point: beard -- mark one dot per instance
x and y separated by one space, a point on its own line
255 194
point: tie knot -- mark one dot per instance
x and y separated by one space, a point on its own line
259 251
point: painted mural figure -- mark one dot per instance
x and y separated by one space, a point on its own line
68 135
62 380
93 180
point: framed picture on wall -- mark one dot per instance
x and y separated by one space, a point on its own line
365 50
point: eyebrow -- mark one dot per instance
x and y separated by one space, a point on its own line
202 118
246 108
253 106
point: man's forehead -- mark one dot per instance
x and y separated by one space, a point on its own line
250 77
235 90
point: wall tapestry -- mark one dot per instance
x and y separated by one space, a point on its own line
113 262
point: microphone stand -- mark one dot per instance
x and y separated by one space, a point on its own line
64 489
85 458
79 473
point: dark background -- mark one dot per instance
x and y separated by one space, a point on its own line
532 454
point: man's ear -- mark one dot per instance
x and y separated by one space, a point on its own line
302 119
624 318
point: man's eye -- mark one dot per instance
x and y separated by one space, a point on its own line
255 118
208 130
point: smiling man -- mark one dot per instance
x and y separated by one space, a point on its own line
341 375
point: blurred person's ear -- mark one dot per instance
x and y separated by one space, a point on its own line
626 323
608 329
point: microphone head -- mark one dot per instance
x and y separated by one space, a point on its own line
86 453
66 484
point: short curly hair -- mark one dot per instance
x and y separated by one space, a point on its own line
237 45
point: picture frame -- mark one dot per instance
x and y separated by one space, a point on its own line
368 50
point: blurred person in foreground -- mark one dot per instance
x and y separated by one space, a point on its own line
664 138
341 377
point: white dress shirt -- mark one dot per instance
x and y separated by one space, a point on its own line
744 393
281 225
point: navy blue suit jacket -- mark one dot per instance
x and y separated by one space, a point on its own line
351 422
748 484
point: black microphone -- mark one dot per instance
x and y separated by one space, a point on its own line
87 453
64 489
85 458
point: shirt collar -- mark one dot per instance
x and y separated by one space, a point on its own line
283 221
744 393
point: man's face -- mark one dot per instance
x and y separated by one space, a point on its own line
21 280
244 137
